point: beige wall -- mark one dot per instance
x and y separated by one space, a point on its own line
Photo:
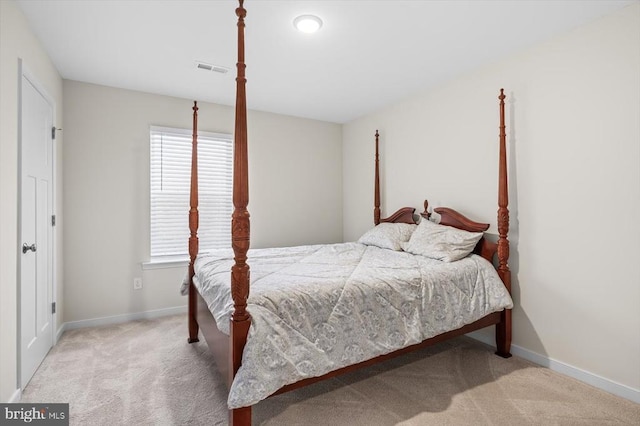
573 118
17 41
295 191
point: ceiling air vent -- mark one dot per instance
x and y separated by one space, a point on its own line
214 68
204 66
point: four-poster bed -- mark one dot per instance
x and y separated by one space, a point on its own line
232 337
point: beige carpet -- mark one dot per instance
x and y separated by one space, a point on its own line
145 373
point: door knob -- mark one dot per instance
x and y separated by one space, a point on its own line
26 248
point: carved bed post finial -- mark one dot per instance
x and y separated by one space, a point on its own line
503 329
376 191
426 213
193 228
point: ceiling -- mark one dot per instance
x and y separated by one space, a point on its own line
367 55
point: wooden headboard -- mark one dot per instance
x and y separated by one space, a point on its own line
404 215
450 217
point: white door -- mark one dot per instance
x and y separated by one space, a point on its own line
36 267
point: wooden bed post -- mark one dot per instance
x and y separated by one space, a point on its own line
376 191
503 329
240 226
193 228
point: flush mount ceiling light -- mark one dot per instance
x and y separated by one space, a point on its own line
307 23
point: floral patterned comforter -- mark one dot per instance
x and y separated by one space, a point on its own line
317 308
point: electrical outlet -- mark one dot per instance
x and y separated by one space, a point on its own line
137 283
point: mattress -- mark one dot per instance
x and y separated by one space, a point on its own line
318 308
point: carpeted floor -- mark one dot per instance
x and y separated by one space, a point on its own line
145 373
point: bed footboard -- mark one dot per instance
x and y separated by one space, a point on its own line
217 341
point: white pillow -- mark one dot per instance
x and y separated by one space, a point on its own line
388 235
441 242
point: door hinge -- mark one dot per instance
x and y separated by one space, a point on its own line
53 132
53 220
53 308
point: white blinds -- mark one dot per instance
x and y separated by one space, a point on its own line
170 183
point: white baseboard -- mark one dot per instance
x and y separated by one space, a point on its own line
16 397
59 333
599 382
117 319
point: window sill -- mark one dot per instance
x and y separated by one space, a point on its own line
166 262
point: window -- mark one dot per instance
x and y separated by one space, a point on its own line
170 184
